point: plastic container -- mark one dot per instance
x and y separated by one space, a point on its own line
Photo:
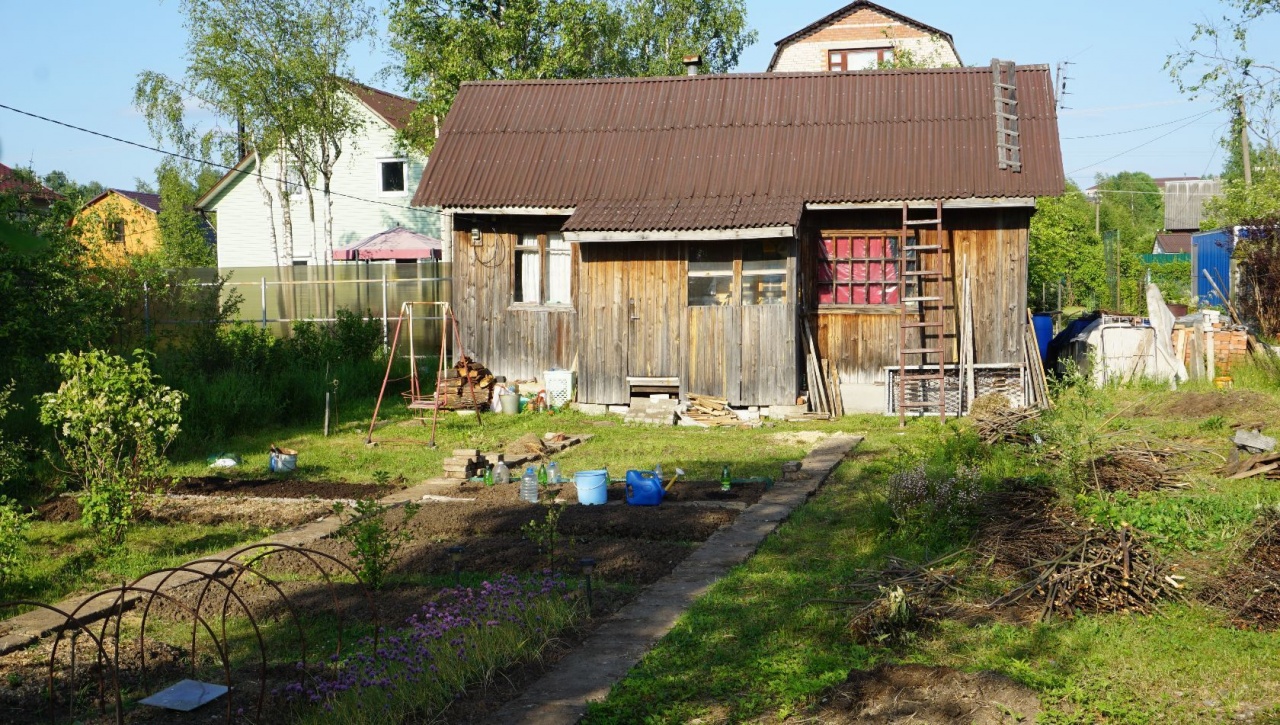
282 460
1043 324
644 488
560 384
529 486
501 474
553 472
593 487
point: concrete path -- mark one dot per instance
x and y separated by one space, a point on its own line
560 697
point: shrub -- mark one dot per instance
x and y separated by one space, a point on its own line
113 421
934 507
11 461
374 540
13 527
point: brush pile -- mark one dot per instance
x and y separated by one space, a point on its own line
1251 588
1066 564
1134 470
996 421
900 597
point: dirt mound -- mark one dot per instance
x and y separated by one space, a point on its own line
1234 405
936 695
59 510
1251 588
278 488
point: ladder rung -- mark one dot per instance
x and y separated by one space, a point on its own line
911 222
924 248
920 405
921 299
922 351
922 324
923 377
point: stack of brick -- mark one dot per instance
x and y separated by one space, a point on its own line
652 411
465 463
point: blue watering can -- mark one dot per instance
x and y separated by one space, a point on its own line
644 488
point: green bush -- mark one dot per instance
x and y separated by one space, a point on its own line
375 541
13 528
113 421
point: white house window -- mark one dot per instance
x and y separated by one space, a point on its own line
392 175
543 270
859 59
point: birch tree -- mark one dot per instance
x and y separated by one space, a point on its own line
269 72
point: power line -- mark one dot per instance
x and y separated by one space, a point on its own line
1133 130
1141 145
109 137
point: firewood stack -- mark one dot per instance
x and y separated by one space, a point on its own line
468 387
711 411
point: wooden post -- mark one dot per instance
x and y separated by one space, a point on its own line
1209 362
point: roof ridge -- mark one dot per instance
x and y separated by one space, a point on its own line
751 76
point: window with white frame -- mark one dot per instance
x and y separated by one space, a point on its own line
543 270
858 59
392 174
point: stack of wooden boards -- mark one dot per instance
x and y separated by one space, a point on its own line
711 411
465 463
1266 464
469 386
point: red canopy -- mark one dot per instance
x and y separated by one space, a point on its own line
395 243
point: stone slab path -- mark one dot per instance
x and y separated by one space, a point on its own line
560 697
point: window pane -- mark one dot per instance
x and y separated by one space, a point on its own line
710 291
559 270
392 176
762 289
528 280
710 260
857 269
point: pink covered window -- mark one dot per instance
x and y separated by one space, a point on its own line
859 268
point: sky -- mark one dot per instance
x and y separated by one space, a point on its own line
79 63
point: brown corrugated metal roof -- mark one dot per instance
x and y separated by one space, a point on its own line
394 109
1176 243
728 151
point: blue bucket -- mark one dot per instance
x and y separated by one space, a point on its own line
593 487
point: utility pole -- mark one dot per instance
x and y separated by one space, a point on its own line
1244 141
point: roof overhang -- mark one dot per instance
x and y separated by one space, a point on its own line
511 210
1003 202
240 169
690 235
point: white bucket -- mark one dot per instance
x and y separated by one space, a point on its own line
283 460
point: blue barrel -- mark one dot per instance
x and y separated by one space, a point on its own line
1043 324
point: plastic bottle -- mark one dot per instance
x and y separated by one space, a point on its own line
657 472
542 475
725 481
488 476
501 474
529 486
553 472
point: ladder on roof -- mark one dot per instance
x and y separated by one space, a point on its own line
922 328
1004 79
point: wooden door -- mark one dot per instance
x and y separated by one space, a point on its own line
769 355
654 304
603 324
714 354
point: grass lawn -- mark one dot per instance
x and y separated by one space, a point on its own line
759 647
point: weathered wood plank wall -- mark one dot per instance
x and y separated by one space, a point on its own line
863 341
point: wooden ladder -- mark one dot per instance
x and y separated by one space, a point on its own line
1004 81
922 333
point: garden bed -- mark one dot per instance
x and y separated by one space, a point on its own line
278 488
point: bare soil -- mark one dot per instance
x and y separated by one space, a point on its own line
279 488
1237 407
933 695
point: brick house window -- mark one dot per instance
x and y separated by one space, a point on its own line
859 268
859 59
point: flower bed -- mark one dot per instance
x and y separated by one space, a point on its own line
461 636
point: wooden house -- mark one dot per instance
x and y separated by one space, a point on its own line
118 224
697 233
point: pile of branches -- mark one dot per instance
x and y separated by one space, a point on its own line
1066 564
900 597
1251 588
1135 470
996 421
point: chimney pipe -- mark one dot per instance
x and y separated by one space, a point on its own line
691 64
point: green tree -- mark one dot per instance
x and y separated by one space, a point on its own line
444 43
77 194
1065 250
184 241
272 68
1131 214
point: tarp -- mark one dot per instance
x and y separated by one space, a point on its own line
394 243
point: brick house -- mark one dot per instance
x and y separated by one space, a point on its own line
860 36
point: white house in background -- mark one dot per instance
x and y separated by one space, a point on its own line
859 36
373 183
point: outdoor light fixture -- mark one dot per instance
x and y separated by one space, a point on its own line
475 236
588 565
455 555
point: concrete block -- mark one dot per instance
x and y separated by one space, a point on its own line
590 408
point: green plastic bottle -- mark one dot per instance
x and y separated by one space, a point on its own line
725 482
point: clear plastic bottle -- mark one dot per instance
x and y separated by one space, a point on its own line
529 486
501 474
657 472
553 472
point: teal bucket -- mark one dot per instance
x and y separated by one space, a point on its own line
593 487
